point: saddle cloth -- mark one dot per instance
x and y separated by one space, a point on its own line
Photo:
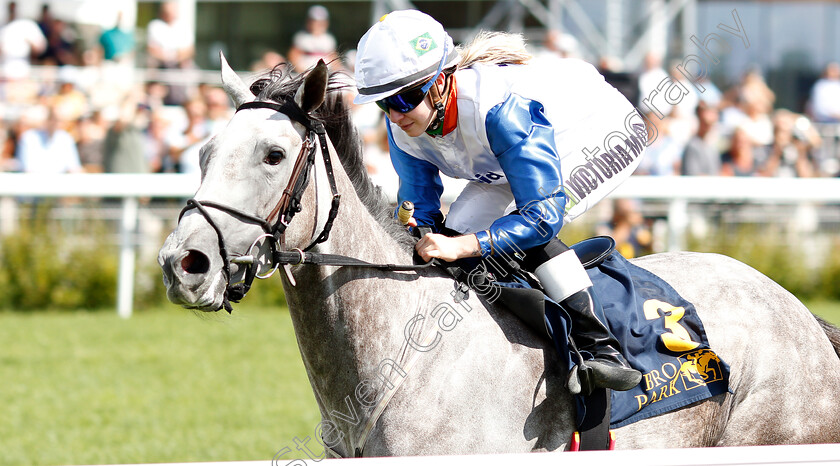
661 335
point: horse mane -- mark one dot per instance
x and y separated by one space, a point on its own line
494 48
280 85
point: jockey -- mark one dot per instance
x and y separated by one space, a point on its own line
485 115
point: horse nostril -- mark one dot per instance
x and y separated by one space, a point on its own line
195 262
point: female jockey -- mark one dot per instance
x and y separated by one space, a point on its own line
485 115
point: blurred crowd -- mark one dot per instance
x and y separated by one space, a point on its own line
67 121
71 105
734 132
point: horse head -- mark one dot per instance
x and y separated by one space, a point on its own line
233 224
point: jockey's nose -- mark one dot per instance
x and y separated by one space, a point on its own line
395 116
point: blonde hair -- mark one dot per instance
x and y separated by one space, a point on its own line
494 48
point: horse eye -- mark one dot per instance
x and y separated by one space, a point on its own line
274 157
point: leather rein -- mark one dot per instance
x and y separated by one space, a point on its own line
286 208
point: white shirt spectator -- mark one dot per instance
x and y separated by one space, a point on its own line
649 80
18 41
313 47
42 152
825 100
169 38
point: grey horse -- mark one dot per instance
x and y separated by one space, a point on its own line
399 368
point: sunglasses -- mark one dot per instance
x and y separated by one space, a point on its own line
405 101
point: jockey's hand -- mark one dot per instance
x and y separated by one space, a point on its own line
412 222
447 248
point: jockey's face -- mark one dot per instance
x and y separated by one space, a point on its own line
414 122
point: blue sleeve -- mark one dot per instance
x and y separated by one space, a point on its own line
522 139
419 183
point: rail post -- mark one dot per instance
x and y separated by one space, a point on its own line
125 280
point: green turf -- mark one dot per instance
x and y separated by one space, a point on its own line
828 310
163 386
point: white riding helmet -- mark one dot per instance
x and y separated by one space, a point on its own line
402 49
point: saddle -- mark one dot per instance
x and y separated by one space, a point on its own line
644 313
660 333
529 303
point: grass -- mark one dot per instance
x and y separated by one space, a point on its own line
828 310
163 386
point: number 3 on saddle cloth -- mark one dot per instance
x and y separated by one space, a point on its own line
660 333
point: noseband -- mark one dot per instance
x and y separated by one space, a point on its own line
284 211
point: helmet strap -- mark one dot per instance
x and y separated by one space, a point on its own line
439 103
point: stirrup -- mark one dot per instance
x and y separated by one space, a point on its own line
584 378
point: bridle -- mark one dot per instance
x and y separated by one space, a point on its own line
286 208
283 211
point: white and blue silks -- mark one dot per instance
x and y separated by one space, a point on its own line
546 141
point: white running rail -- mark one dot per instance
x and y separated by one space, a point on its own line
677 191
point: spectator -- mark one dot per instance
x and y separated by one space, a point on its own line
61 49
825 95
113 52
31 118
662 157
751 88
748 105
651 76
155 148
48 149
90 142
561 44
197 128
683 113
69 102
756 121
794 139
377 156
7 149
170 46
711 94
20 40
740 159
117 44
46 21
155 95
626 83
268 60
632 237
702 153
124 143
219 111
314 43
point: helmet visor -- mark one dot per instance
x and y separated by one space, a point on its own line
405 101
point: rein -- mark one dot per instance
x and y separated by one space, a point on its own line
286 208
284 211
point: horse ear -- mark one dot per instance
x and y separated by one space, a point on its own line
233 84
311 94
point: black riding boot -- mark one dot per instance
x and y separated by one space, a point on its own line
566 282
608 368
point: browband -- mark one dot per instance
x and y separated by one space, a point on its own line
288 108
